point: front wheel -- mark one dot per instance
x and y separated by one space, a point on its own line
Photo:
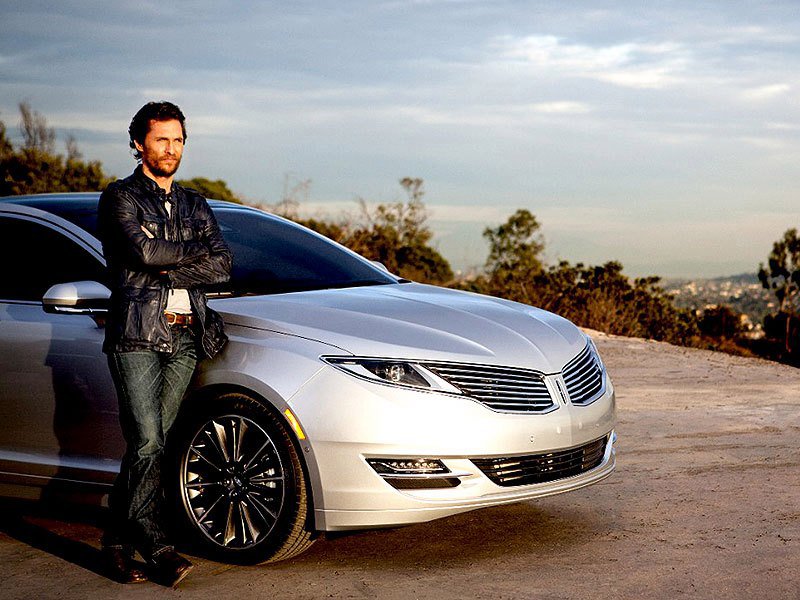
241 492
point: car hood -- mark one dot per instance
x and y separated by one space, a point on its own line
415 321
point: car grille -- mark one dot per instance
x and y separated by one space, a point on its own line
583 377
541 468
500 388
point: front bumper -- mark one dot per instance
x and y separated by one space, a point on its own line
479 495
348 421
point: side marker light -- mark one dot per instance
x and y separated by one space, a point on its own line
295 425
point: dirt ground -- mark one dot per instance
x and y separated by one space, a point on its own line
705 503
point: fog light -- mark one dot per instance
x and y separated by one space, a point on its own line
407 466
415 473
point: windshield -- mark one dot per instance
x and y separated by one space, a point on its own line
271 256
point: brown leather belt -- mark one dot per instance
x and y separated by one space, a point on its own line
180 319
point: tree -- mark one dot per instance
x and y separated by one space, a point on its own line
720 321
217 190
36 135
395 234
600 297
515 245
37 168
514 256
782 277
6 149
295 192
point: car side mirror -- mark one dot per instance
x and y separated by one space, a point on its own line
77 297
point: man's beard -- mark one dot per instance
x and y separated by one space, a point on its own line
162 168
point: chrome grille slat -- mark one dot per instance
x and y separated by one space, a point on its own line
519 394
511 389
479 376
520 400
499 388
583 377
515 404
578 376
541 468
507 405
584 381
580 371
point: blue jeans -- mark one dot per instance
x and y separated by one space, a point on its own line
150 386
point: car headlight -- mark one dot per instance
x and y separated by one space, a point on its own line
393 372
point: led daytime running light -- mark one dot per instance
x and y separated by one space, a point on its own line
407 466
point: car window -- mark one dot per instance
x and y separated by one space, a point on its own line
35 257
271 256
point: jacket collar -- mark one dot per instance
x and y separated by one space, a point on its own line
151 186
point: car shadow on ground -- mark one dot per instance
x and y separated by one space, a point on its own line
61 529
519 529
72 532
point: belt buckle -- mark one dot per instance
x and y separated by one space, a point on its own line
172 318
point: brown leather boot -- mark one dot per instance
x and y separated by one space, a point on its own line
169 568
120 566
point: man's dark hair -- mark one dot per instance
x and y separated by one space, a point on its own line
153 111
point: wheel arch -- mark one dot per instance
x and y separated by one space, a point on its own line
277 406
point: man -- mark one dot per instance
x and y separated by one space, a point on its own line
162 245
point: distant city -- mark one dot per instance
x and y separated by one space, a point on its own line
743 293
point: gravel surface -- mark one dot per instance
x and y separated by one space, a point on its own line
705 503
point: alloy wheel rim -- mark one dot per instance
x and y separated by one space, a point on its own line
233 482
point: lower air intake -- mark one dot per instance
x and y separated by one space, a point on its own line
541 468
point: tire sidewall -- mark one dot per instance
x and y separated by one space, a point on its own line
193 418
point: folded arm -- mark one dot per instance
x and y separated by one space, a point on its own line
120 216
214 267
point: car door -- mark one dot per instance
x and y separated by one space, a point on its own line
58 408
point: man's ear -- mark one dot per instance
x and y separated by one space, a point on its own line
139 147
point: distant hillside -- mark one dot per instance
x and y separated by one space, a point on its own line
741 292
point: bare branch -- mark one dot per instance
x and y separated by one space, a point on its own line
35 132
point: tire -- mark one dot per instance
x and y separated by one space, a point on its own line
241 494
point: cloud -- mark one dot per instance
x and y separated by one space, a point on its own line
439 214
76 120
564 107
582 113
488 115
765 92
743 35
636 238
780 126
766 143
331 209
632 64
465 213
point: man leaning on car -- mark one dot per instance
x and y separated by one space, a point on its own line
162 246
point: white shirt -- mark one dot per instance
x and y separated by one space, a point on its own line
178 299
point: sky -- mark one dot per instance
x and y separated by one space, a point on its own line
664 135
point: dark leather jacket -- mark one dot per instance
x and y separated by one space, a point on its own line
186 250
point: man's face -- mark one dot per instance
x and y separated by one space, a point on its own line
162 148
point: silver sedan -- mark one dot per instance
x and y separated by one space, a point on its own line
347 398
